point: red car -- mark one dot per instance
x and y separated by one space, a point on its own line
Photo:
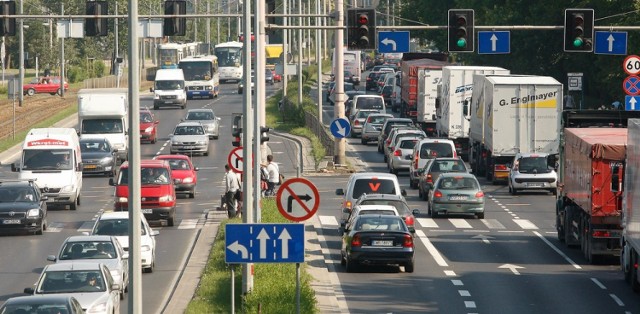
276 77
49 85
183 172
148 126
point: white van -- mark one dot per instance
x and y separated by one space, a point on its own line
374 102
169 89
102 113
426 149
52 157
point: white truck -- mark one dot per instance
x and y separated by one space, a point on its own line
457 85
512 114
352 61
630 253
103 113
428 80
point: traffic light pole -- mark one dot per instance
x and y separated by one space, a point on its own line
259 118
338 109
21 55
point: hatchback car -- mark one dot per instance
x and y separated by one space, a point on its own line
397 201
372 80
90 283
367 210
396 134
377 240
98 157
433 169
426 150
276 77
357 120
189 138
100 249
207 118
22 207
372 126
268 77
42 304
184 174
532 171
400 155
456 193
148 126
117 224
369 182
386 129
49 85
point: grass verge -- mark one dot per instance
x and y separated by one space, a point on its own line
8 143
274 284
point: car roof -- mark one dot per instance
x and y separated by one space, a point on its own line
189 123
94 139
173 156
376 207
200 110
73 265
114 215
156 163
368 196
399 120
380 175
15 182
87 238
532 155
39 299
456 174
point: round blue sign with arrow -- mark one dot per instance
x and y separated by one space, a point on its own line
340 127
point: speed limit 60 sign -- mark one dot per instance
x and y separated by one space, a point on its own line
631 65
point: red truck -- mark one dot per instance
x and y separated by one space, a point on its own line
410 67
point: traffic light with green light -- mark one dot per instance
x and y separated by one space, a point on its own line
578 30
460 30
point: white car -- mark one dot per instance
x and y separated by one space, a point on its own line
100 295
189 138
531 171
101 249
370 183
117 224
207 118
400 155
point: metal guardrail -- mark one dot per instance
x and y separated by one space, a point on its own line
321 132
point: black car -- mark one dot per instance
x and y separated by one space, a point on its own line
268 76
52 303
98 156
22 207
377 240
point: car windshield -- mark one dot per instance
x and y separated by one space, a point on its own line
146 117
397 123
87 250
373 186
376 119
178 164
102 126
72 281
148 176
94 146
200 115
408 144
47 159
169 85
17 194
448 166
376 223
458 183
533 165
348 87
433 150
115 227
370 103
189 130
45 307
362 114
376 212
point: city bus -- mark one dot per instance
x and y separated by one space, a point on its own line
201 75
229 60
170 54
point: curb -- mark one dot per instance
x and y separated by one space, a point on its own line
304 149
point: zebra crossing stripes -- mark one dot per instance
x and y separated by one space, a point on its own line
188 224
525 224
458 223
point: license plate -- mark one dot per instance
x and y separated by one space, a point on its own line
147 210
89 166
382 242
535 185
458 197
11 221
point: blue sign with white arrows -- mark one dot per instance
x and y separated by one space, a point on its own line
340 128
264 243
631 103
494 42
611 43
389 42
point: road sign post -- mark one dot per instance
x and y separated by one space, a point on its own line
494 42
390 42
298 199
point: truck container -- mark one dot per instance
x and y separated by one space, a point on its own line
457 86
511 114
630 252
102 113
428 80
409 91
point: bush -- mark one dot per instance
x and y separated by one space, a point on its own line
76 74
99 68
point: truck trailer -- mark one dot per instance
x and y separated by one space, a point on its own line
428 80
410 77
630 241
510 114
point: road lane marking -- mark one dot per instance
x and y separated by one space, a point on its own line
464 293
427 223
616 299
553 247
450 273
432 249
492 224
525 224
54 227
328 221
470 304
598 283
460 223
188 224
457 282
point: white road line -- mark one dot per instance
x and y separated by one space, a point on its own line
616 299
519 204
55 227
188 224
511 231
464 293
470 304
457 282
432 249
492 224
598 283
427 223
460 223
525 224
328 221
450 273
553 247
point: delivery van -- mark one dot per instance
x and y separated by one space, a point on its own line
51 156
102 113
169 89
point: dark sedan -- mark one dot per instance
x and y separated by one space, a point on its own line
42 304
22 207
377 240
98 156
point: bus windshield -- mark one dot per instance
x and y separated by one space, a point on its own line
196 70
229 56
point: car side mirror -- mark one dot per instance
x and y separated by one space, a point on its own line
176 181
339 192
156 122
416 212
28 290
112 182
154 232
125 255
116 287
196 169
51 258
14 167
403 192
44 198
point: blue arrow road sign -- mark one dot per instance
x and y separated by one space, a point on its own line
494 42
393 42
631 103
340 128
264 243
611 43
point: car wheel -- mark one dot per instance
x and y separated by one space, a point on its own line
78 200
31 91
429 209
512 191
554 191
155 139
408 267
40 230
434 214
170 221
239 91
193 193
155 107
385 158
363 141
122 295
394 171
480 215
635 285
343 261
379 149
216 137
420 195
206 153
350 265
413 184
59 92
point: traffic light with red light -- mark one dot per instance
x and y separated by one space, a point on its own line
7 25
578 30
96 26
460 30
361 29
175 26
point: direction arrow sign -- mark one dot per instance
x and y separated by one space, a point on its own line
631 103
264 243
631 85
611 43
485 238
298 199
389 42
235 159
494 42
340 127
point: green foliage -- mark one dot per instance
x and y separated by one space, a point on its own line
99 68
76 74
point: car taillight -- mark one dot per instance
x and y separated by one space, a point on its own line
388 142
429 178
368 79
409 220
356 122
437 193
415 162
369 119
408 241
480 194
457 145
355 241
500 167
397 152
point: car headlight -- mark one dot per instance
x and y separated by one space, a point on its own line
118 146
202 142
98 308
106 160
156 96
187 180
33 213
67 188
209 87
166 198
122 199
148 130
145 248
175 143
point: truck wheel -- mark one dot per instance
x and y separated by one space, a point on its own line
567 226
559 229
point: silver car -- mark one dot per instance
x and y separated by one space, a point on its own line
99 249
207 118
189 138
400 155
532 171
397 133
357 120
372 126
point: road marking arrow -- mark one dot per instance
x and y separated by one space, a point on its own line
290 199
388 41
610 39
263 236
633 102
284 238
494 40
484 238
513 268
236 247
341 130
